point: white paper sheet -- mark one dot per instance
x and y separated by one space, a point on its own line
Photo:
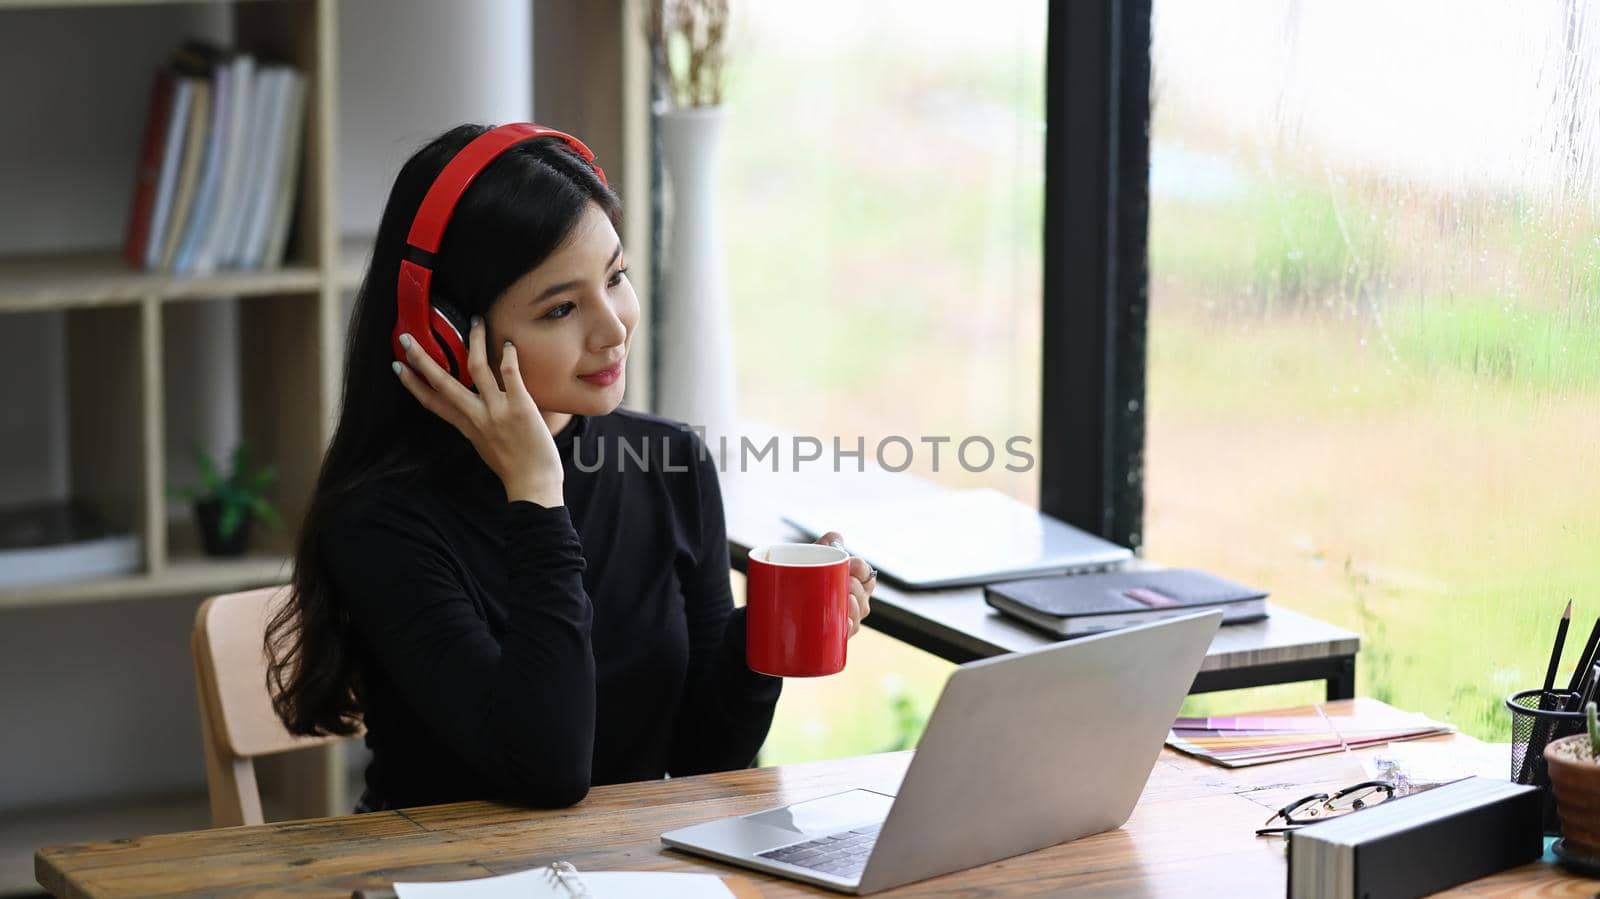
537 884
1414 767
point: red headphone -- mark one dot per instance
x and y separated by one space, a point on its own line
441 330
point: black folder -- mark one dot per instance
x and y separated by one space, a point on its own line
1075 604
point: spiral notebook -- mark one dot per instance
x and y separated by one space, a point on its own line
561 880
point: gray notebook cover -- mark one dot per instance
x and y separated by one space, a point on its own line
1078 604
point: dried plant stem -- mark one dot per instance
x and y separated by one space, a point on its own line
687 50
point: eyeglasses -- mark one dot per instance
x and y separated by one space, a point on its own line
1321 806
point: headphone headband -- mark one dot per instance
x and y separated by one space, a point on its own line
442 337
434 213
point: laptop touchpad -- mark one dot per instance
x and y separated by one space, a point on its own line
829 814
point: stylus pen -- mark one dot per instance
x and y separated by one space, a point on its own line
1589 677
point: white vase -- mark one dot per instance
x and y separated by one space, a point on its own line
695 346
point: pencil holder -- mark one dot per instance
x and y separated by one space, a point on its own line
1539 718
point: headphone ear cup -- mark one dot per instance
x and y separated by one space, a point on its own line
450 331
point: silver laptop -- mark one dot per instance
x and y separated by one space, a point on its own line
950 538
1042 747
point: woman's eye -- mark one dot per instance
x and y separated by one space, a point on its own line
617 278
561 311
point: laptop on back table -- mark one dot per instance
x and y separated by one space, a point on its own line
912 539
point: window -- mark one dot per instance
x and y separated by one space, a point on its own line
881 186
1374 339
882 183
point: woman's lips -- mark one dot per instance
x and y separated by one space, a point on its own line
604 377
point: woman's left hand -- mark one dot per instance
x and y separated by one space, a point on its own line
863 579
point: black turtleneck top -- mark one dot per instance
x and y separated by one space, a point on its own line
510 651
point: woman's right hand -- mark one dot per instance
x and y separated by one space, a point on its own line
505 426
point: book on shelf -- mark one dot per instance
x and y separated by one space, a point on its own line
148 175
189 171
243 190
219 163
289 176
171 157
220 65
285 96
241 79
60 540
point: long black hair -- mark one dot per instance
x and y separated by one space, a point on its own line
516 213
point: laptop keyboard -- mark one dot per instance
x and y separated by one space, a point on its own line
840 854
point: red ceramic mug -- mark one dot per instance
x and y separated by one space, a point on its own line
797 609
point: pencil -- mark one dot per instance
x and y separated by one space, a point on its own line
1533 756
1555 651
1586 661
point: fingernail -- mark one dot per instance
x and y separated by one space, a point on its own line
405 341
506 345
397 367
477 320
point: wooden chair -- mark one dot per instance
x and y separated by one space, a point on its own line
237 723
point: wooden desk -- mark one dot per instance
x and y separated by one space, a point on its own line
1192 834
959 626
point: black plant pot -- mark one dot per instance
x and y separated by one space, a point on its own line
208 515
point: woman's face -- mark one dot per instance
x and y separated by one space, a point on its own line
571 317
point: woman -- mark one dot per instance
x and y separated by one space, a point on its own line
508 618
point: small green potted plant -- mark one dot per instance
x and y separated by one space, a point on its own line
1574 765
225 506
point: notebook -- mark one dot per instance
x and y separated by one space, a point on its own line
560 880
1418 844
1077 604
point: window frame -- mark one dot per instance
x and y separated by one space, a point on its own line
1095 302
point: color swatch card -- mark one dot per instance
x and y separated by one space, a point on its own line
1239 741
